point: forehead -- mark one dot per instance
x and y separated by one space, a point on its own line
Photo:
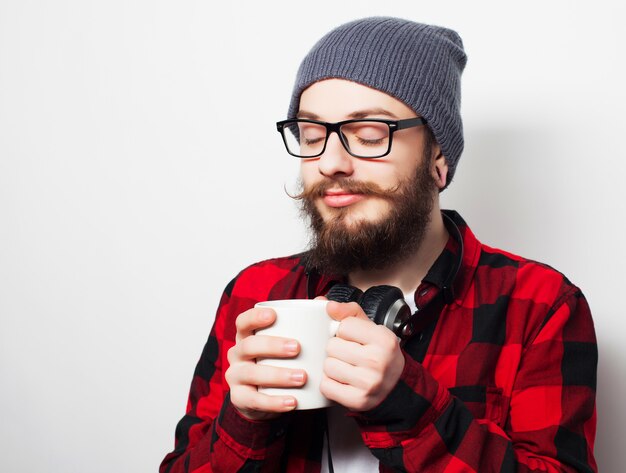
339 99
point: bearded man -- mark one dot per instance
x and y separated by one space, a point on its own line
496 368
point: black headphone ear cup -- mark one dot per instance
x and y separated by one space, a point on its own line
344 293
378 300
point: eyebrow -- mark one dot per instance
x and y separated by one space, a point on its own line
354 115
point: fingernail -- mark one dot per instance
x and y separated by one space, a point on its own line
289 402
265 315
297 376
291 346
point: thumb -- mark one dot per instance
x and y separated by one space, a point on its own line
342 310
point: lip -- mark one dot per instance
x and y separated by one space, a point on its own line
339 198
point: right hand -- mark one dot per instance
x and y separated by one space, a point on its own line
244 375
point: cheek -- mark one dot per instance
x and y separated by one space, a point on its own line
407 156
308 172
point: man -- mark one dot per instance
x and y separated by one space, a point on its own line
498 370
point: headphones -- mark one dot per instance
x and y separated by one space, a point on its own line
384 305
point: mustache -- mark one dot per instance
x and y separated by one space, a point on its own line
349 185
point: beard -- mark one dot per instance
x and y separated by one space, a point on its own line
339 246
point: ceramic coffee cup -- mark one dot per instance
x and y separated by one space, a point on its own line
304 320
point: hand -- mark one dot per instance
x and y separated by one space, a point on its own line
364 360
244 375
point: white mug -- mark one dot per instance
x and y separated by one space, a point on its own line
304 320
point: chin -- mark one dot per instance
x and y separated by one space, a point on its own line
353 217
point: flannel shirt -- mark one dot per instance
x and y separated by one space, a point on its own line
500 378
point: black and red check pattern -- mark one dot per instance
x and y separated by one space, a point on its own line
501 378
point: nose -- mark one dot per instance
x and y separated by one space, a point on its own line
335 161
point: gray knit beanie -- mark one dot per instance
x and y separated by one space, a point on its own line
418 64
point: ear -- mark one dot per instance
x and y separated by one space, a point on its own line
440 171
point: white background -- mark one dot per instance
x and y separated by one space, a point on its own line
140 170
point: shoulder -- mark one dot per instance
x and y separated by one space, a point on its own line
525 298
260 280
526 279
496 274
520 295
529 294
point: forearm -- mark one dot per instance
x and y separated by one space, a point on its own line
231 443
213 436
422 427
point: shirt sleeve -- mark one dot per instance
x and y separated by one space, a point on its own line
421 426
212 436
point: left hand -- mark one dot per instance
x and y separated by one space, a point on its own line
364 360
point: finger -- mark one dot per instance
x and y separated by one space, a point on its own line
249 399
342 310
321 298
344 394
367 332
344 350
345 373
253 319
363 331
254 374
267 346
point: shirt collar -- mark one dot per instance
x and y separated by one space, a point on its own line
462 273
445 268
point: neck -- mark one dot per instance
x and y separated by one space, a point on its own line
408 273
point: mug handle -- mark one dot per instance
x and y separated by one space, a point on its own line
333 327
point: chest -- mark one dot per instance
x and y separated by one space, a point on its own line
474 354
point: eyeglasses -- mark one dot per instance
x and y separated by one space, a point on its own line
362 138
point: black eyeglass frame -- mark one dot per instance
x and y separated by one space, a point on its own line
394 125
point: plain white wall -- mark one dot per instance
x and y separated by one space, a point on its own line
140 170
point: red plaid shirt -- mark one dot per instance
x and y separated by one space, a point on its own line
501 378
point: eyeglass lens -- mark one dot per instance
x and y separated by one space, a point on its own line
362 138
